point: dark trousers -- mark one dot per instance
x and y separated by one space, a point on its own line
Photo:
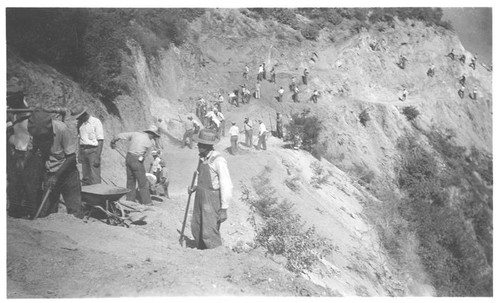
279 131
136 173
249 138
90 173
69 187
234 144
24 180
280 98
461 93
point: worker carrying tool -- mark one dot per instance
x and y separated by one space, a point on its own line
213 192
140 144
58 149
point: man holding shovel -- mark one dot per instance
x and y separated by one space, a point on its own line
213 192
58 149
140 144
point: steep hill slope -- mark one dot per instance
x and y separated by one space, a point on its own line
352 78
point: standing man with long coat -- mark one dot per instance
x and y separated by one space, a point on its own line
213 192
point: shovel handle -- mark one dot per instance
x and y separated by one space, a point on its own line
181 239
47 193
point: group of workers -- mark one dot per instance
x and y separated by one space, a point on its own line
48 164
432 71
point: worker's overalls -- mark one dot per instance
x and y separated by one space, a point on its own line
205 220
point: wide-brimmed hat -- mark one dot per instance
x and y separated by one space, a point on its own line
206 136
153 129
78 110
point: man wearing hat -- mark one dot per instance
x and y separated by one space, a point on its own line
140 143
91 138
213 192
58 151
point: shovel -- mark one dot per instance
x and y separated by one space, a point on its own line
43 203
182 239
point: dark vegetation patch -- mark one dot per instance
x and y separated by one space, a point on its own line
450 211
87 43
307 127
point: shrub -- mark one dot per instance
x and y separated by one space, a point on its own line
308 128
320 176
88 44
282 231
456 256
285 16
364 117
293 183
310 31
411 113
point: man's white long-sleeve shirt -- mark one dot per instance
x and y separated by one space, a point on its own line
262 129
219 173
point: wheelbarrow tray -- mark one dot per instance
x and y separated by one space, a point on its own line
102 197
98 194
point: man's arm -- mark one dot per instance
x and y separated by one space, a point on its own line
226 185
97 162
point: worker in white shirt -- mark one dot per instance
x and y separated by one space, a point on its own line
262 136
213 192
248 128
281 91
234 131
221 129
91 138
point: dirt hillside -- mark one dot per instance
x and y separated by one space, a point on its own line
63 257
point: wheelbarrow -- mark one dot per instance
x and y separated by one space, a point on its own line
103 198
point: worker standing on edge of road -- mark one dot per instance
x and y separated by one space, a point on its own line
273 75
281 91
234 132
262 136
140 143
304 77
257 90
461 92
58 149
213 193
91 136
279 126
189 125
248 128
